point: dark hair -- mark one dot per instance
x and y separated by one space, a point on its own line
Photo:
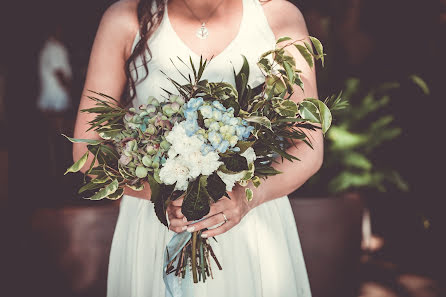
148 22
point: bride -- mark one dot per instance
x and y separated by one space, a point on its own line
258 243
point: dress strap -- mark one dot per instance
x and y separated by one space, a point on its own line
258 17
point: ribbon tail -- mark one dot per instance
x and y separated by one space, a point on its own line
173 248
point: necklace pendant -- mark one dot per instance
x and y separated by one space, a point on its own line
202 32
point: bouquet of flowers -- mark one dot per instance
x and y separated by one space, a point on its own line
201 141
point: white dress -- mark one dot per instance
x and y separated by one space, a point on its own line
261 256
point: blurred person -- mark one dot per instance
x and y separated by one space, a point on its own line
55 75
54 100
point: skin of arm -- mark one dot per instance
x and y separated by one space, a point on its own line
106 73
294 174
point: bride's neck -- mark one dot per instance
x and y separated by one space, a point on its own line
201 8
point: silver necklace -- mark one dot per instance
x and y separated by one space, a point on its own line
202 32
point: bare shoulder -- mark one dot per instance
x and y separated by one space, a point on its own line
285 18
120 22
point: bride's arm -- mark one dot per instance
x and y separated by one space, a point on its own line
106 73
296 173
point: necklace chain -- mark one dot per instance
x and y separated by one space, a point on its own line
202 32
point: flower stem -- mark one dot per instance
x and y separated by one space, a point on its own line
194 256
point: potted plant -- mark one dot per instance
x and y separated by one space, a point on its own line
328 209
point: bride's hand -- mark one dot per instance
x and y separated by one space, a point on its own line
177 221
234 209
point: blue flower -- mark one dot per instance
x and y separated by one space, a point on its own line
234 121
218 106
194 103
190 126
206 111
248 131
205 149
190 114
215 126
214 138
226 118
224 145
240 131
216 115
235 149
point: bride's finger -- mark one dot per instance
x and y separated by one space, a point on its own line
219 230
177 225
206 223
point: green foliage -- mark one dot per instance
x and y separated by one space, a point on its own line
133 145
357 135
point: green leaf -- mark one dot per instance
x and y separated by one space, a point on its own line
325 116
345 140
283 38
108 190
196 201
215 186
154 187
161 203
137 187
78 164
267 171
116 195
89 141
306 54
356 160
264 121
289 71
309 47
89 186
319 48
420 83
244 145
236 163
231 102
249 194
309 111
286 108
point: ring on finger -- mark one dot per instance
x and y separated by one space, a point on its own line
224 216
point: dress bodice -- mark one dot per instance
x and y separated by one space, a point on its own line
253 38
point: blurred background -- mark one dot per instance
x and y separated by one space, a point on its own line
370 221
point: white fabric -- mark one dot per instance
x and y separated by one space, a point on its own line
52 96
261 256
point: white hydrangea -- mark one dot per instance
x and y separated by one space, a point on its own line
185 161
181 143
175 170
